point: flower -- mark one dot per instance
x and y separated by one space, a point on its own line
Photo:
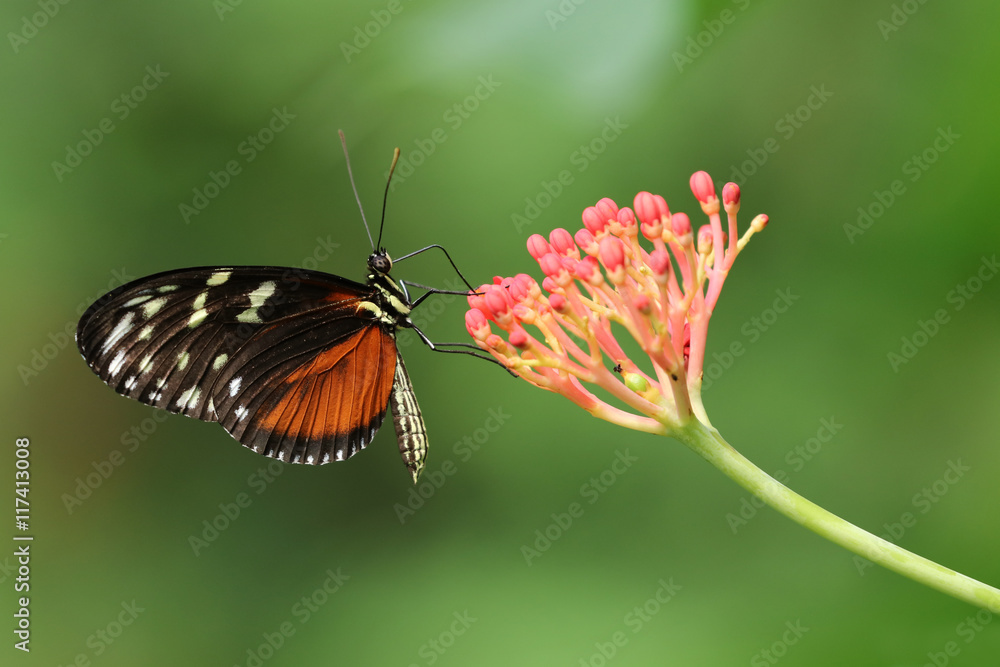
605 279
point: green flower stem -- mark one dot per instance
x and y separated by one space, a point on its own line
709 444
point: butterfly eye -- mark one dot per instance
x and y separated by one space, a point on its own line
380 262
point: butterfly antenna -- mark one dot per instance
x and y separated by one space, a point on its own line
343 142
385 198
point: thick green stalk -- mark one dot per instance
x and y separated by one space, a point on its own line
709 444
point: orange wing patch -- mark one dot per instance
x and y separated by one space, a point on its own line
330 407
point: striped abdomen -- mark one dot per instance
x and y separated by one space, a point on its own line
410 430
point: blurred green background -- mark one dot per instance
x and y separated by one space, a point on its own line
816 108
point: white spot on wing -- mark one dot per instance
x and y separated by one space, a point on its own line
220 361
261 294
218 277
151 308
123 327
146 332
240 412
249 316
310 459
130 383
189 398
339 455
182 360
197 316
166 288
199 301
257 299
234 385
146 364
326 457
137 300
116 364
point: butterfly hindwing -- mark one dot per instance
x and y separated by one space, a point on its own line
288 338
313 389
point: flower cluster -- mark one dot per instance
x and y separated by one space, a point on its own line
560 335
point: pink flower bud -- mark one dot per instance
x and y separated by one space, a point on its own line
593 220
530 285
608 209
519 337
705 239
476 300
731 196
626 218
612 253
588 271
550 285
495 342
680 224
562 243
477 324
659 262
703 187
559 304
518 290
523 314
586 241
642 303
650 208
551 264
497 301
538 246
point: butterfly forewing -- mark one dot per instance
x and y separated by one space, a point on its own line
289 361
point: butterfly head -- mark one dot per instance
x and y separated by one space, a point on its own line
379 262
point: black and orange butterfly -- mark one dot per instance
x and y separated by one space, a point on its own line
297 365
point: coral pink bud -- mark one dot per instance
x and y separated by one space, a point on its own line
518 290
588 271
497 302
680 224
519 337
586 241
476 300
538 247
562 242
731 197
642 303
608 209
659 262
703 187
612 253
650 208
551 264
593 220
559 304
705 239
626 218
530 285
477 324
550 285
495 342
523 313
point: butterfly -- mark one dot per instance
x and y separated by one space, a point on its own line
297 365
